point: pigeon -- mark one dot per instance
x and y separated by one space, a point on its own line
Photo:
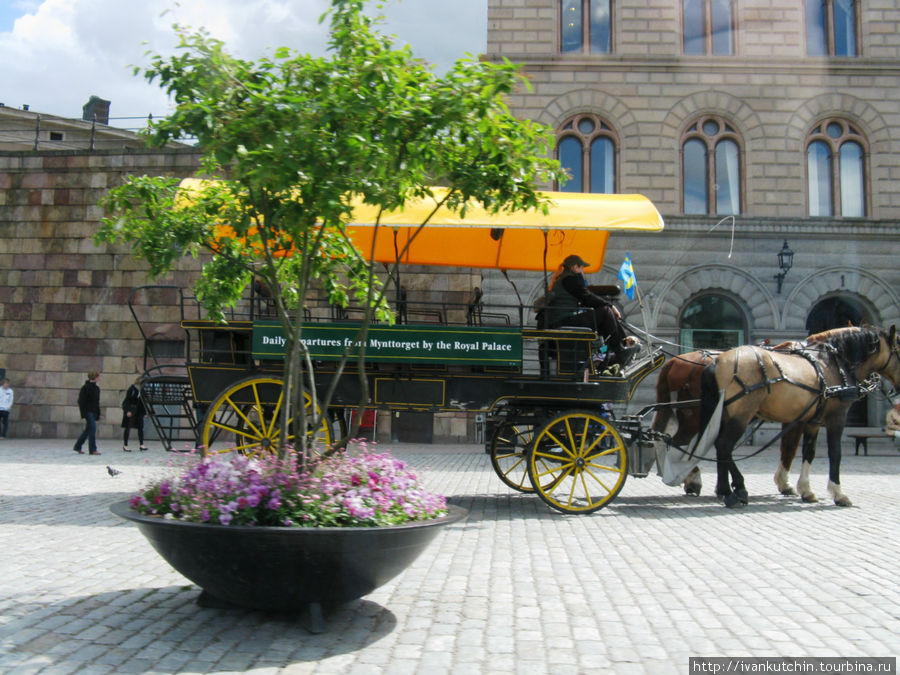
112 472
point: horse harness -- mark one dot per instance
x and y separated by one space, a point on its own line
844 391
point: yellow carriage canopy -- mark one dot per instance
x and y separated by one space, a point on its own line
576 223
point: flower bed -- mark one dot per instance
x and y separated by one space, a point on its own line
350 489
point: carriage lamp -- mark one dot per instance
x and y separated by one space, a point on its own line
785 262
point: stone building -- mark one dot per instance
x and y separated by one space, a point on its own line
753 125
26 129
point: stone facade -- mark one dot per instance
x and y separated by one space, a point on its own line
63 300
772 94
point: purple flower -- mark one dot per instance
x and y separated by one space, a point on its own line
347 489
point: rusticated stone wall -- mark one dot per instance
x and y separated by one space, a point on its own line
63 300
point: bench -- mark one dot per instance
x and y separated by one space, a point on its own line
862 436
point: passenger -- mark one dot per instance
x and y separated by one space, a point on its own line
570 303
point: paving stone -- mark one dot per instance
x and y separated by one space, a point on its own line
638 587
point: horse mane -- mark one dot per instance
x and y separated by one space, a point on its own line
855 344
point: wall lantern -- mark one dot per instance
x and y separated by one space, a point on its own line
785 262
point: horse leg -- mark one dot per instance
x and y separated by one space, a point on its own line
693 483
834 466
809 454
789 442
729 434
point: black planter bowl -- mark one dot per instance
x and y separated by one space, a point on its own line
286 569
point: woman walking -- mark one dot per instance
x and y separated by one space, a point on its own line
133 412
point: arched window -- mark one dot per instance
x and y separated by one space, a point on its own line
586 148
835 170
585 26
708 26
712 321
831 27
711 168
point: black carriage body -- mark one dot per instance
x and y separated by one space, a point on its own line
549 422
491 378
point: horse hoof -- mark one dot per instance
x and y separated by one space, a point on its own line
843 501
788 491
742 496
692 490
809 498
732 501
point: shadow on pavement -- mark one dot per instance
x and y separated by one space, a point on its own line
165 625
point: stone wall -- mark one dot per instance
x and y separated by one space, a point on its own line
63 300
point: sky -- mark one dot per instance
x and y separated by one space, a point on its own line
58 53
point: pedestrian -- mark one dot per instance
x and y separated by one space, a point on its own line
6 403
89 407
133 412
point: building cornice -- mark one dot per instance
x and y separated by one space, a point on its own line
703 64
834 228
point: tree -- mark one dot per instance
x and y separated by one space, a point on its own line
292 139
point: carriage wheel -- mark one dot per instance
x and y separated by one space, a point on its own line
578 462
509 454
246 417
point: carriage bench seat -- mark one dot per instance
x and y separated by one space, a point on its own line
570 345
862 435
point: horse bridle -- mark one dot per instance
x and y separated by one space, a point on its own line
894 353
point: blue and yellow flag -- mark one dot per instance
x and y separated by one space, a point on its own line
626 274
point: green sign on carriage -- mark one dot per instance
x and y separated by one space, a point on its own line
464 345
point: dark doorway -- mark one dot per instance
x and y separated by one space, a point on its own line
836 312
839 312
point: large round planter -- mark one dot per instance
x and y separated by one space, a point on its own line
286 568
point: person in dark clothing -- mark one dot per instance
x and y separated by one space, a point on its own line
570 303
133 415
89 407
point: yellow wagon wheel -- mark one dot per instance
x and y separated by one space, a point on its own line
578 462
246 418
509 454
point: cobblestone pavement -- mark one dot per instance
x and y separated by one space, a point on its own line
638 587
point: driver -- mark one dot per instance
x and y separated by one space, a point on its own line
570 303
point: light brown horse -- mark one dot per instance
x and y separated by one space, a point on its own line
808 386
680 376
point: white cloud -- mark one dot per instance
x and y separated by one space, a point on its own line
60 52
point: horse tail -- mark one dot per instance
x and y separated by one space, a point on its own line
663 395
709 394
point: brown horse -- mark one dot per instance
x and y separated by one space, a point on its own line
808 386
680 375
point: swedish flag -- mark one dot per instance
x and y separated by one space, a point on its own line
626 274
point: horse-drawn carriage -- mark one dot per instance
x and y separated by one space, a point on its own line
548 405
